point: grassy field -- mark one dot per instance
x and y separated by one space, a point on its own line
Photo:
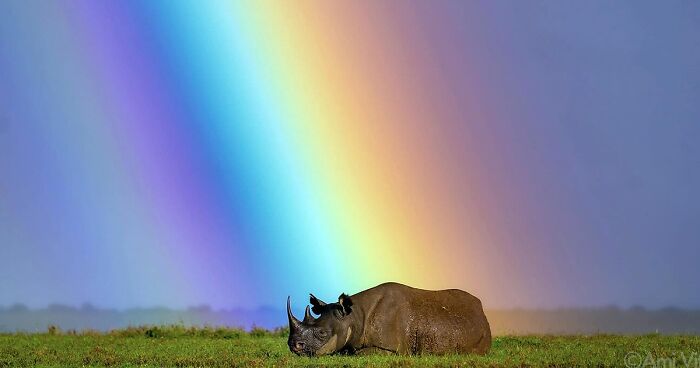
208 347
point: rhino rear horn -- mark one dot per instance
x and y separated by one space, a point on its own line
307 316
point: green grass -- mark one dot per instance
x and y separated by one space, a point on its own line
211 347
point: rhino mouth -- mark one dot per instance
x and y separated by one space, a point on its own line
304 352
327 348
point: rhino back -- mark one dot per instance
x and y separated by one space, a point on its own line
407 320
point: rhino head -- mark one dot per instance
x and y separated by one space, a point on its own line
325 334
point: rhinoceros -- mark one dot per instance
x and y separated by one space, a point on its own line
392 318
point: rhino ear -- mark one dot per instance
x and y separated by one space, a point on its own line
346 303
317 303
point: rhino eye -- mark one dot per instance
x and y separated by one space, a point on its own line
321 333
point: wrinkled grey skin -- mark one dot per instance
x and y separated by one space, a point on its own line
392 318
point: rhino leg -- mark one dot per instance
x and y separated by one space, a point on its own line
374 351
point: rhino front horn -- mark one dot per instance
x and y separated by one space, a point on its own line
294 323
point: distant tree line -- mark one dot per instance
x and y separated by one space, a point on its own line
636 320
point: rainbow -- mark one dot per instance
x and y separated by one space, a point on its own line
232 153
